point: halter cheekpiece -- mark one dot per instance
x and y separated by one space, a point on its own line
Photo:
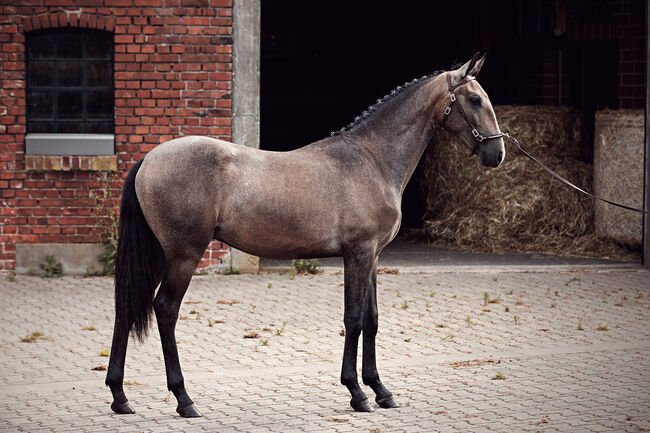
452 101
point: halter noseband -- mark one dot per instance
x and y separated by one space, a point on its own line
452 96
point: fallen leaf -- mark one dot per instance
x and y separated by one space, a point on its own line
192 302
99 368
544 329
339 283
228 301
337 419
342 333
252 335
385 270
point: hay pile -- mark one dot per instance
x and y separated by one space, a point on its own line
517 207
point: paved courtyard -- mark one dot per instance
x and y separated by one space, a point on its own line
489 349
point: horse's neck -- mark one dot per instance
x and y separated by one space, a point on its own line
398 135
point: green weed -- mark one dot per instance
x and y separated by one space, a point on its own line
51 268
108 232
105 352
405 304
498 376
580 328
489 300
33 337
306 266
281 330
230 270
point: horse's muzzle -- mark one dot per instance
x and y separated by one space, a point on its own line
492 155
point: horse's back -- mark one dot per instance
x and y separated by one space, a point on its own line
272 204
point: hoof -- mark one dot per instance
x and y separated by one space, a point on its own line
387 402
189 411
122 408
361 406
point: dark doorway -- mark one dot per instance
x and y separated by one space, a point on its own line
323 63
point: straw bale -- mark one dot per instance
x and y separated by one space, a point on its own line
517 207
618 172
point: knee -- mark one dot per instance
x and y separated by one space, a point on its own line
353 321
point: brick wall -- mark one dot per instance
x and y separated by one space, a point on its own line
630 32
172 75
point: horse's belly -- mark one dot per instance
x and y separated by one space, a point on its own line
281 245
282 237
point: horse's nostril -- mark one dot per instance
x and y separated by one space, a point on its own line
499 157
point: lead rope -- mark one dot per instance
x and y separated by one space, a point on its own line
557 176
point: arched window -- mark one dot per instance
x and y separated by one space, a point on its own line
69 91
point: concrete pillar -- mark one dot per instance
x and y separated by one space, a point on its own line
246 94
646 201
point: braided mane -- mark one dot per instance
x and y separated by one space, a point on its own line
373 108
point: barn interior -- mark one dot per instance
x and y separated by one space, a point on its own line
323 63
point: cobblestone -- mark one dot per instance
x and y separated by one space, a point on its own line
441 346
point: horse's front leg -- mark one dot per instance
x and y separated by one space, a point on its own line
369 372
358 273
167 305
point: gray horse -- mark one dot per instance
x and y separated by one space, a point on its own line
339 196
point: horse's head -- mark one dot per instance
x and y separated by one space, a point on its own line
469 114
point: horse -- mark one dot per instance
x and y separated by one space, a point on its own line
191 190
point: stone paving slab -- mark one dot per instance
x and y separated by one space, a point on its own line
443 339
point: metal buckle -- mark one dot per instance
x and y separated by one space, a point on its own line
452 97
477 135
447 111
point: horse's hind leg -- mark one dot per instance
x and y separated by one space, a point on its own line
369 372
115 375
167 305
358 273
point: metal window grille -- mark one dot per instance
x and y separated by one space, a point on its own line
70 81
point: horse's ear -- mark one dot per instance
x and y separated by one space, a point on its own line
472 67
477 66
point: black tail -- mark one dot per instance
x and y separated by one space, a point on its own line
138 265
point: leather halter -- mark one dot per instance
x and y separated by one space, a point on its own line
452 96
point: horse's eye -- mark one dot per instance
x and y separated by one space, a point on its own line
475 99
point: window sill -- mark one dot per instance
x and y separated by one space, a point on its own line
70 163
70 144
